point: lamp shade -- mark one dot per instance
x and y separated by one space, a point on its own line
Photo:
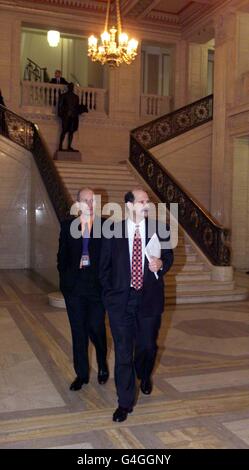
53 38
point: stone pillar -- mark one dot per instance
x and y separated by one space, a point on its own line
125 90
240 204
242 83
197 72
10 39
180 75
224 86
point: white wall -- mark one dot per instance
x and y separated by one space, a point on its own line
29 228
188 158
44 227
240 204
36 48
70 56
14 206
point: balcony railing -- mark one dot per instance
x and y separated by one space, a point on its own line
46 96
175 123
154 105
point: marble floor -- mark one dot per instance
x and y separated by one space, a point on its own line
200 397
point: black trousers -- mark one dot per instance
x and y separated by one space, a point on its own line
135 348
87 320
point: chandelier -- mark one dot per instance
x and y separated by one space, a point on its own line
116 47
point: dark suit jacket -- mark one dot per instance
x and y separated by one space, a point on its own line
61 82
115 277
2 100
69 255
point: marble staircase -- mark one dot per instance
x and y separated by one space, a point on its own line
190 279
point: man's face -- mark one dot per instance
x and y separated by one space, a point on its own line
140 206
87 202
57 74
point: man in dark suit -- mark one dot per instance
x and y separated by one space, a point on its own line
68 111
134 298
58 79
78 265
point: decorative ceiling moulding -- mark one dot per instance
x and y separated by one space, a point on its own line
197 20
82 5
139 8
163 17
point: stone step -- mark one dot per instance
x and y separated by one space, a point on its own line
190 276
91 166
90 175
99 182
189 267
182 249
103 173
196 286
182 260
235 295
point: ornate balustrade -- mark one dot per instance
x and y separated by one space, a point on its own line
207 233
46 96
175 123
26 134
154 105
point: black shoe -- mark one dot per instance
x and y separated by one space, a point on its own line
121 414
103 375
146 386
77 383
70 149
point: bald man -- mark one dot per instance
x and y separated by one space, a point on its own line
133 294
78 265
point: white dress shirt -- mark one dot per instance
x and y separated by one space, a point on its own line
131 228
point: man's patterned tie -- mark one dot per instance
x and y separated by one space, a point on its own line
137 264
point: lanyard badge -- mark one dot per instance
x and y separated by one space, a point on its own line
85 261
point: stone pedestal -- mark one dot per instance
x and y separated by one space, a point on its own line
67 155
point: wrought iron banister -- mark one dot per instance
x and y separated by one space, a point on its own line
26 134
33 71
175 123
207 233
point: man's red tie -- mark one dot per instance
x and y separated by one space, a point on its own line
137 264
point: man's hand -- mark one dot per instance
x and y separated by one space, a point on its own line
155 264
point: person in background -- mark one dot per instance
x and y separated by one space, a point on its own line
1 99
58 79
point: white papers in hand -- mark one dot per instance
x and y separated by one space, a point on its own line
153 248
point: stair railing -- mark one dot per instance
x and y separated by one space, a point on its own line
26 134
211 237
33 72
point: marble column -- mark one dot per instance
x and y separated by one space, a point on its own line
197 72
10 38
125 90
180 75
224 86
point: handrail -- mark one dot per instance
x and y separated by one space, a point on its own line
211 237
26 134
175 123
32 69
